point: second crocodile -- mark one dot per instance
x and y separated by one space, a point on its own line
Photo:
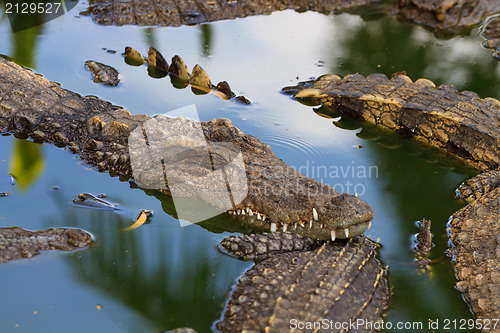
332 286
460 123
16 243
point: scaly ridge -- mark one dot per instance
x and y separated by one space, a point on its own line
306 285
259 246
459 122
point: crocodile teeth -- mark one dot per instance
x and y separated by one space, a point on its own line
285 226
346 232
332 234
302 224
274 227
310 224
242 212
248 209
321 226
295 226
238 211
263 218
315 214
369 225
250 212
230 212
258 216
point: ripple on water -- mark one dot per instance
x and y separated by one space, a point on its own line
295 144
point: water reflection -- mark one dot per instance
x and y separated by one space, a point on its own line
217 224
388 46
26 163
26 29
206 39
168 275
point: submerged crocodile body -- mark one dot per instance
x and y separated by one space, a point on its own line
16 243
491 32
437 14
175 13
102 73
180 77
462 124
322 290
446 14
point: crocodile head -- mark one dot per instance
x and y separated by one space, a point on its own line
207 161
282 199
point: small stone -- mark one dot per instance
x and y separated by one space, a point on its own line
95 145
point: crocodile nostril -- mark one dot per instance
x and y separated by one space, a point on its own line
341 198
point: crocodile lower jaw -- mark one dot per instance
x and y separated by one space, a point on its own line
312 228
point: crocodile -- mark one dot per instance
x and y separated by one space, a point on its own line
437 14
305 284
475 233
16 243
176 13
478 186
31 106
461 123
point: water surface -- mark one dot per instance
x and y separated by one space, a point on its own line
161 276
